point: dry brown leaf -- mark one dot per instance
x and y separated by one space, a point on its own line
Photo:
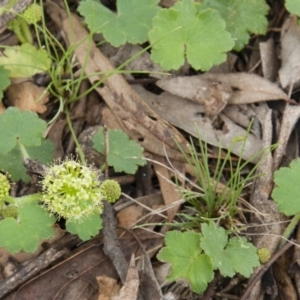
289 72
268 234
108 287
239 114
269 60
212 95
168 188
149 287
290 117
245 88
130 215
28 96
55 134
188 116
286 287
130 289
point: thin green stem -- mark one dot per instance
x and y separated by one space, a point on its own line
289 230
79 149
23 150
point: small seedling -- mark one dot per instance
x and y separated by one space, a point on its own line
210 200
194 256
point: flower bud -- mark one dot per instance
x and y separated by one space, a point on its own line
10 211
4 187
110 189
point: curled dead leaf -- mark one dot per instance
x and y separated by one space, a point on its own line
235 88
289 72
28 96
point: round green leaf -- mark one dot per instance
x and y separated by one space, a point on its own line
187 32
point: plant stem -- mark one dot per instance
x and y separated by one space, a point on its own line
23 150
79 149
288 231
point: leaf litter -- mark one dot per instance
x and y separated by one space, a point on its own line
221 104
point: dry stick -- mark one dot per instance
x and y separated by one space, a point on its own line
265 268
112 247
30 270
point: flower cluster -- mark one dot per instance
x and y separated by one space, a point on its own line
72 191
110 190
264 255
10 211
32 14
4 187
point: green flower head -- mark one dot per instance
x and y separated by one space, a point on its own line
4 186
264 255
111 190
10 211
72 191
32 14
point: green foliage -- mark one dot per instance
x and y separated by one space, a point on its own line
188 260
124 154
86 229
242 17
185 31
293 6
232 256
25 233
4 80
25 61
210 200
131 23
12 162
287 190
199 33
22 136
193 256
18 126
